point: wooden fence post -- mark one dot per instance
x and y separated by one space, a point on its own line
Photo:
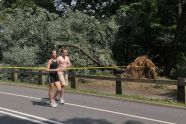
118 84
73 80
41 78
181 89
15 75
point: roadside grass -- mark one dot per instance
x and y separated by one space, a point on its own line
134 98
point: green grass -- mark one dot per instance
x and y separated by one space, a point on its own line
164 102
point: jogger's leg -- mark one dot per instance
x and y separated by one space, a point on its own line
50 91
58 87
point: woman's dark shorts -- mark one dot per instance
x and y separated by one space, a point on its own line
53 78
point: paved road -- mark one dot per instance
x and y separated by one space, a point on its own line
20 105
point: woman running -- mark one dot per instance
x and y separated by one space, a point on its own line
53 79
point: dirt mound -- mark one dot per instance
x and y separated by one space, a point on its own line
142 67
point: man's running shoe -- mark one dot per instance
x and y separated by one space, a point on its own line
61 101
53 104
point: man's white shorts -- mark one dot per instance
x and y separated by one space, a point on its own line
63 77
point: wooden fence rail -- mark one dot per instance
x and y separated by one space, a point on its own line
73 77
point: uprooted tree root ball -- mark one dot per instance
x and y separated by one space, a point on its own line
142 67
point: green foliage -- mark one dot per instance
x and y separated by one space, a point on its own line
93 36
26 27
97 8
16 3
26 56
23 40
32 27
180 69
139 27
148 27
167 11
1 4
47 4
135 33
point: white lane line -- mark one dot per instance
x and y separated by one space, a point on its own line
30 97
97 109
22 117
118 113
29 115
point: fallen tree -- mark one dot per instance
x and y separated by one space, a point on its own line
142 67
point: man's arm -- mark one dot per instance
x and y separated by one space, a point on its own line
58 60
69 63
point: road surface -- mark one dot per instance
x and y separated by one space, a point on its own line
21 105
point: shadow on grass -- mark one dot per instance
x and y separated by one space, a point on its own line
170 95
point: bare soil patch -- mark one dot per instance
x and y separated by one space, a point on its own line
155 91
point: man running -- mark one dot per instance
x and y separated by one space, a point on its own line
63 64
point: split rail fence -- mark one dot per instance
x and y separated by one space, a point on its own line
119 80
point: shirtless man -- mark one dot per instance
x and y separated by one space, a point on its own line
63 63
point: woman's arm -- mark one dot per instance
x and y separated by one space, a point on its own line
48 65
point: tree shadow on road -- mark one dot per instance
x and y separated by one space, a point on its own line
12 120
86 121
133 122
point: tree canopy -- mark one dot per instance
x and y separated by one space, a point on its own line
111 31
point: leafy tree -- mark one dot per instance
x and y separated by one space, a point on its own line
149 27
97 8
167 11
26 56
134 36
1 4
31 27
178 51
16 3
153 27
93 36
170 41
26 28
47 4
